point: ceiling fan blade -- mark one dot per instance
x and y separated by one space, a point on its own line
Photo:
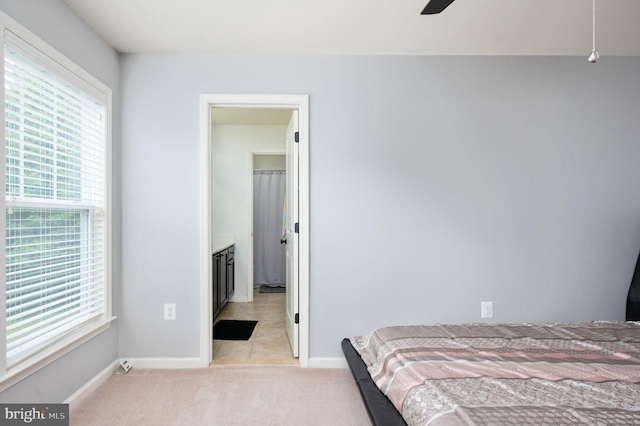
435 6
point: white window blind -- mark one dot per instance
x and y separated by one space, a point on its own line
55 186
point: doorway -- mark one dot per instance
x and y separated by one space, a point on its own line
299 104
269 191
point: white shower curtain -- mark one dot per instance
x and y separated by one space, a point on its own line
269 256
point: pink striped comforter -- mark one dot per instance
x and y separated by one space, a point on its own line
513 374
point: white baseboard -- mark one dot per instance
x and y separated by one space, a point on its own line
318 362
239 299
81 394
168 363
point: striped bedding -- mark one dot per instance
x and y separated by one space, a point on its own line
508 374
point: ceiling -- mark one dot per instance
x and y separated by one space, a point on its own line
367 27
250 116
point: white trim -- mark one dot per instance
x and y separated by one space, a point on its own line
206 308
109 207
98 380
303 219
31 365
165 363
301 103
3 242
319 362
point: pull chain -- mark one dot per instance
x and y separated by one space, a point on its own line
594 56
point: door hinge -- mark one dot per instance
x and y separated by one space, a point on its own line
297 319
296 136
296 228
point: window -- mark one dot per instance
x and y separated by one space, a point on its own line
56 143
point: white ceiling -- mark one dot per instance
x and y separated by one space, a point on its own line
250 116
371 27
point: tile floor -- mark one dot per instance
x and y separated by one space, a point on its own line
268 343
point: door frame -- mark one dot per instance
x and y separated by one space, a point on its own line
208 101
253 153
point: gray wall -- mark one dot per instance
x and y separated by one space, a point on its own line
436 183
231 180
59 26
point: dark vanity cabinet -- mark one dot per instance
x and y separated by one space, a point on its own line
222 277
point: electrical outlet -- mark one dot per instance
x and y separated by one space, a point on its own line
169 311
124 367
486 309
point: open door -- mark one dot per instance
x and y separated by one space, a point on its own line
291 236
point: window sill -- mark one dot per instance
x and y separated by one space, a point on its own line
29 366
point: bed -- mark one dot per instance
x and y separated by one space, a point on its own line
503 374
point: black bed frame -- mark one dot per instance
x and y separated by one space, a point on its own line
381 410
633 299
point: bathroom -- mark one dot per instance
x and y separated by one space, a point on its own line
248 157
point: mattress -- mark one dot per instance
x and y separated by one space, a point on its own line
507 374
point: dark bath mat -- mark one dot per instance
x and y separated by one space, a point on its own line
272 289
233 329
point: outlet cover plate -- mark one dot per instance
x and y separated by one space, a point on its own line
170 311
486 309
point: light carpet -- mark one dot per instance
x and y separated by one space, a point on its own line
225 395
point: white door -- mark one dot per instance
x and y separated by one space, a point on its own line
291 234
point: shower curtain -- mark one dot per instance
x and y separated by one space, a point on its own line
269 256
